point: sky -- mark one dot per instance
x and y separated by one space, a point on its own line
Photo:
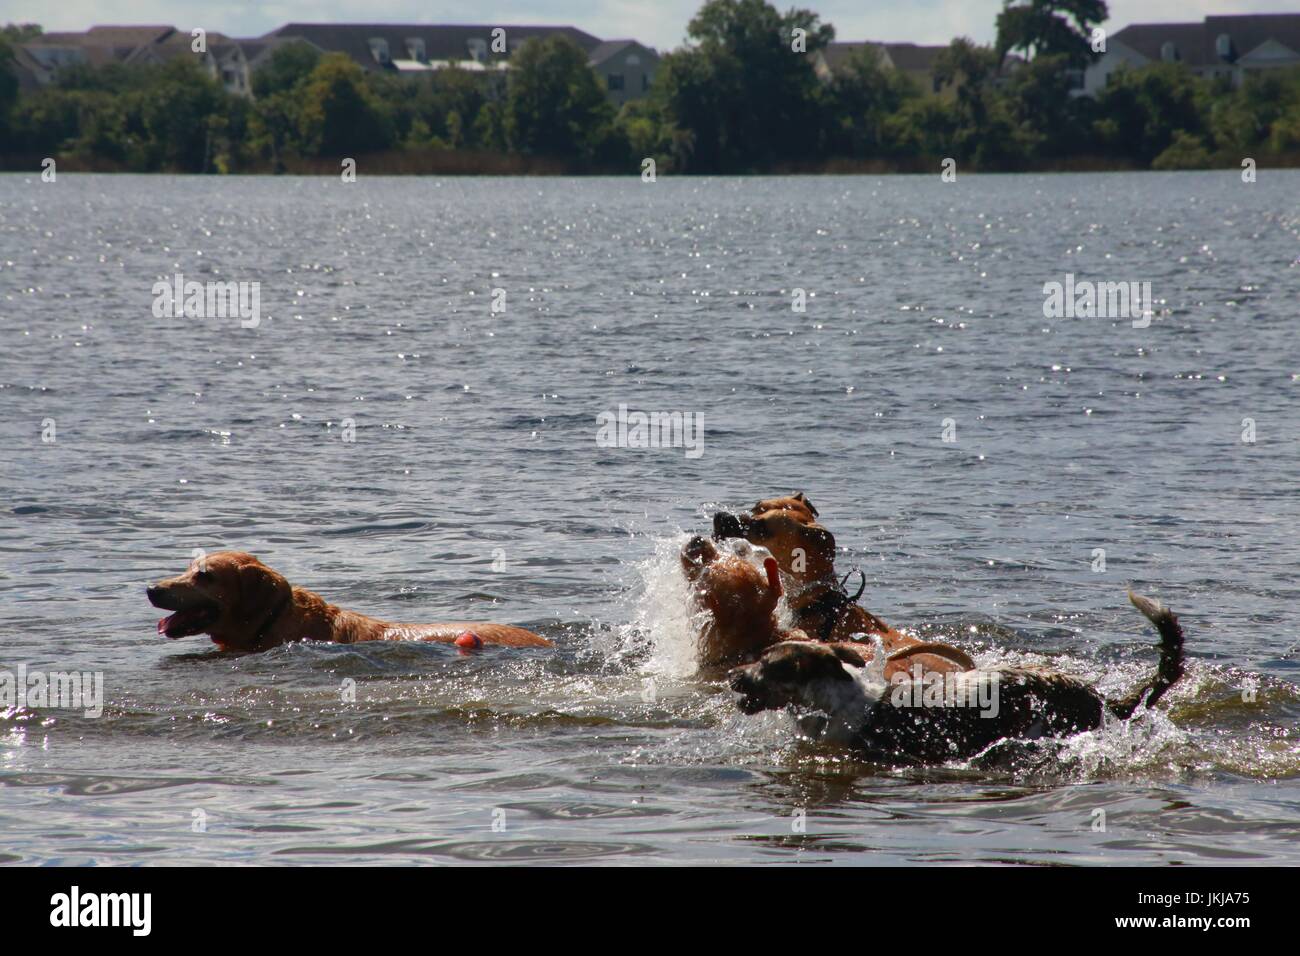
656 23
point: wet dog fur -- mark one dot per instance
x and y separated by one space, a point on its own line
884 719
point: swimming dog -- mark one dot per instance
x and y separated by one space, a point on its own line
243 605
739 602
805 552
923 719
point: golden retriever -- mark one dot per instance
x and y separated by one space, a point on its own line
243 605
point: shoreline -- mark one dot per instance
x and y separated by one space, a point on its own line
493 164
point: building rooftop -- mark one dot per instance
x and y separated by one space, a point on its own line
441 41
607 48
903 56
1196 43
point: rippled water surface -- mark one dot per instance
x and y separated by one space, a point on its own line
475 488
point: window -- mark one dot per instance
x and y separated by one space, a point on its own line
645 82
615 81
379 49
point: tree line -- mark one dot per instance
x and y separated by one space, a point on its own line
741 96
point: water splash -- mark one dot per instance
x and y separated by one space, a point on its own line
1199 728
660 636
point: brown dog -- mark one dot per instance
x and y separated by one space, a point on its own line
741 601
243 605
805 552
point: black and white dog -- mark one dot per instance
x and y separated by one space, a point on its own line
841 696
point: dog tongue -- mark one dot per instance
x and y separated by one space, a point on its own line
162 625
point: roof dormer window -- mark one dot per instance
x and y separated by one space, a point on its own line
379 50
415 49
1169 51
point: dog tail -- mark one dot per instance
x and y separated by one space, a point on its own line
1170 667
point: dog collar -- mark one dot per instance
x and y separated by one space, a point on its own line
833 601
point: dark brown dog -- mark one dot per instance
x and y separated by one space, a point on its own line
741 620
805 552
904 717
243 605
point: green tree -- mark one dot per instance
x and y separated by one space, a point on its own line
987 131
288 65
11 34
338 114
446 104
1284 136
1245 118
1140 111
924 127
691 94
8 85
863 94
490 127
642 126
970 69
1050 27
174 111
555 103
20 32
746 92
1039 97
1185 152
274 128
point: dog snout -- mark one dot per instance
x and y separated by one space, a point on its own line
727 525
745 682
741 680
699 550
160 596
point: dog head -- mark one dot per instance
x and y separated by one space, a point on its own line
797 503
229 595
803 674
740 600
788 527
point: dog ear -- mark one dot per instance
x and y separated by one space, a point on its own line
800 496
260 590
773 575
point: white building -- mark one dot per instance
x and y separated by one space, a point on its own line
1230 46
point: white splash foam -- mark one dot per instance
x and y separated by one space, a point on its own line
664 620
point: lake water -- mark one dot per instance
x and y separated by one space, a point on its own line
475 488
